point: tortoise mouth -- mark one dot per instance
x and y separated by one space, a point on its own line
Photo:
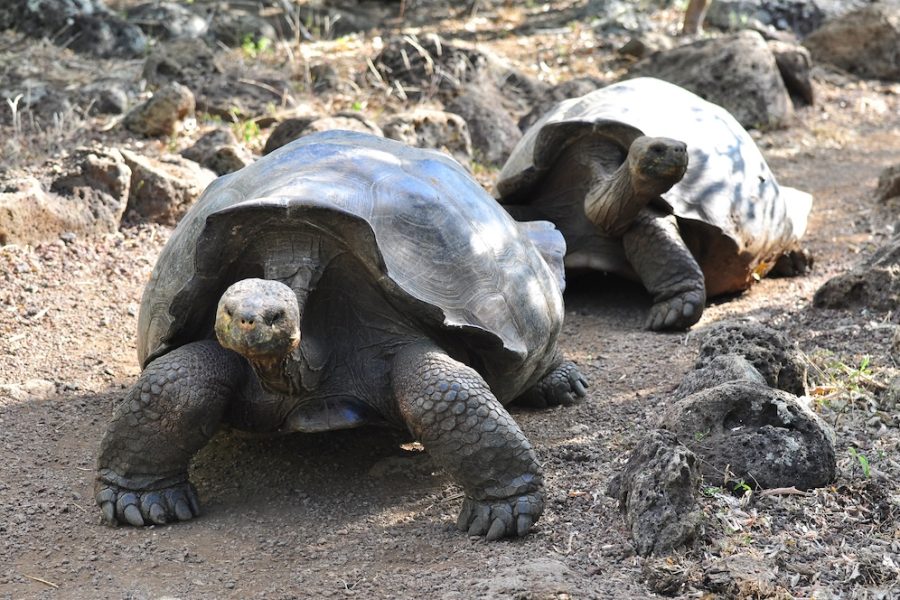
258 319
257 340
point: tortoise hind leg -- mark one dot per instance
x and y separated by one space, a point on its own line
562 385
171 412
656 251
451 410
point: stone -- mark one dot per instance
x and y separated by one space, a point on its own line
291 129
874 283
749 433
163 113
721 369
424 66
97 172
219 151
32 389
105 97
86 26
737 72
742 575
163 190
167 20
657 492
798 16
888 183
794 62
29 214
493 130
234 27
429 128
865 42
573 88
186 61
771 353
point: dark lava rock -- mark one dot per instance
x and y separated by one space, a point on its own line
751 433
872 284
721 369
738 72
777 359
657 494
865 42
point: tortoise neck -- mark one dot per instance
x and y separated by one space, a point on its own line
613 201
278 375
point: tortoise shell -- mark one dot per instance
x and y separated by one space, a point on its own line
433 241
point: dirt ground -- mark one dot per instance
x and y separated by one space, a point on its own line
356 514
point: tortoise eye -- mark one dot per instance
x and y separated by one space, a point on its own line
275 317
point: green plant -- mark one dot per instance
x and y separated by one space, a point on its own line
741 488
247 130
862 460
712 490
253 47
838 384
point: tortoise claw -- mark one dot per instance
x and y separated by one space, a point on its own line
677 312
147 507
564 385
508 517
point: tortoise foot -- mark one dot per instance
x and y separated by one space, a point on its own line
677 312
495 519
564 385
177 502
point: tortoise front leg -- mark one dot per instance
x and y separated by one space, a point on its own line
450 409
171 412
666 267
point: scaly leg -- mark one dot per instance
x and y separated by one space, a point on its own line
450 409
667 269
171 412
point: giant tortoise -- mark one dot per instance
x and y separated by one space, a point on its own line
343 280
692 213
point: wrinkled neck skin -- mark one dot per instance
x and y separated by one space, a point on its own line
613 201
283 375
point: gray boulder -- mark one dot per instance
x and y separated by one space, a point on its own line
86 26
771 353
721 369
794 64
573 88
737 72
657 494
219 151
296 127
163 190
865 42
888 183
88 199
798 16
494 132
162 114
428 128
751 433
167 20
874 283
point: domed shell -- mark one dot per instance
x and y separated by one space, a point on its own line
430 236
728 184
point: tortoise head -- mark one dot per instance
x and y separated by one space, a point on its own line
657 163
259 319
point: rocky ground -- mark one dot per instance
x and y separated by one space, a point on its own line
357 514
